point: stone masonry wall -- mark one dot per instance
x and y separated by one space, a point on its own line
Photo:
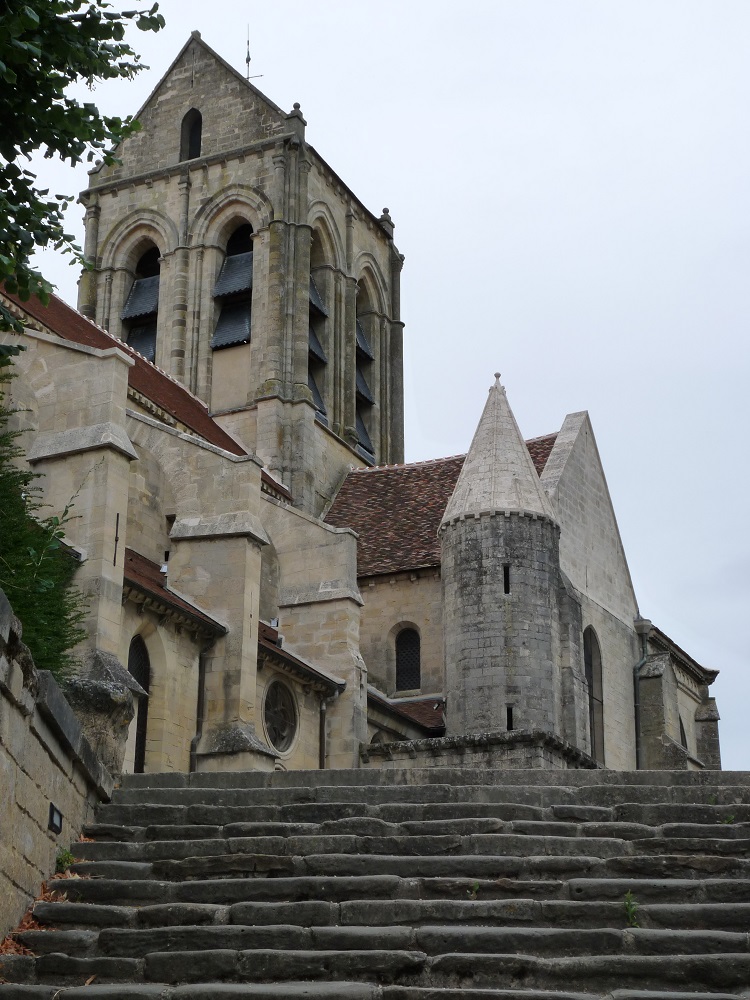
397 601
44 758
481 751
501 648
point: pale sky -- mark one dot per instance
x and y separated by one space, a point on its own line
569 183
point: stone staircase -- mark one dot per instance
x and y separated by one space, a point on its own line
433 884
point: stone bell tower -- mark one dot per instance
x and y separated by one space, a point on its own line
227 251
500 569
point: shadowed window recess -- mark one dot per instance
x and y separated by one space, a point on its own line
141 311
139 665
234 291
317 360
280 716
592 662
364 397
408 660
316 356
191 135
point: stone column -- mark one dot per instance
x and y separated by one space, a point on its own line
396 365
88 281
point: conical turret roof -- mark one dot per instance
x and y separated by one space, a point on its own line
498 474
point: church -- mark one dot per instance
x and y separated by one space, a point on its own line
226 407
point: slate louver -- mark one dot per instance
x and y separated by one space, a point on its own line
315 299
316 348
233 326
143 299
363 345
236 275
142 338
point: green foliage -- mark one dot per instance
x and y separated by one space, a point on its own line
631 909
63 860
36 571
46 45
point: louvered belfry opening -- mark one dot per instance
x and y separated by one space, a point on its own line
141 312
592 662
139 665
317 360
408 660
365 400
234 291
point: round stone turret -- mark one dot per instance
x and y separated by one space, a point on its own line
500 569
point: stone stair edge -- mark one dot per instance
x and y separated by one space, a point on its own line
429 775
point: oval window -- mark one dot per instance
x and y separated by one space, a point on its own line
280 716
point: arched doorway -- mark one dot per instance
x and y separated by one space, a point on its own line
139 665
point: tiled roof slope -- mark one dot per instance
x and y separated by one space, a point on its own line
145 378
396 509
427 712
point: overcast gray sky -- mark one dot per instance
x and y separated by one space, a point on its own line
569 183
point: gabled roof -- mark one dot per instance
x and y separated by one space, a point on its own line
396 509
148 380
498 473
195 36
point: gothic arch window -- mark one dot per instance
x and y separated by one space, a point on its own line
233 290
191 135
317 361
364 399
408 660
592 662
141 311
139 665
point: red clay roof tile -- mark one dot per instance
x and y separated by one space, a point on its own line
396 509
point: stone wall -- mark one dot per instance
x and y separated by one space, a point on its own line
593 559
393 602
44 759
483 751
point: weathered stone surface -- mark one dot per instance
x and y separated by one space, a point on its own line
103 698
559 906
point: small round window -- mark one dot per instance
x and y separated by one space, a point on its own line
280 716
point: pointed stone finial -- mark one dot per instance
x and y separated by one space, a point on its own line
498 474
386 222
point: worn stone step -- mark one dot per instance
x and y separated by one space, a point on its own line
228 891
414 912
203 991
676 973
432 940
277 966
543 795
138 814
479 866
504 844
432 775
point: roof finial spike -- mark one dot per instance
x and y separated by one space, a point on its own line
497 384
247 57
